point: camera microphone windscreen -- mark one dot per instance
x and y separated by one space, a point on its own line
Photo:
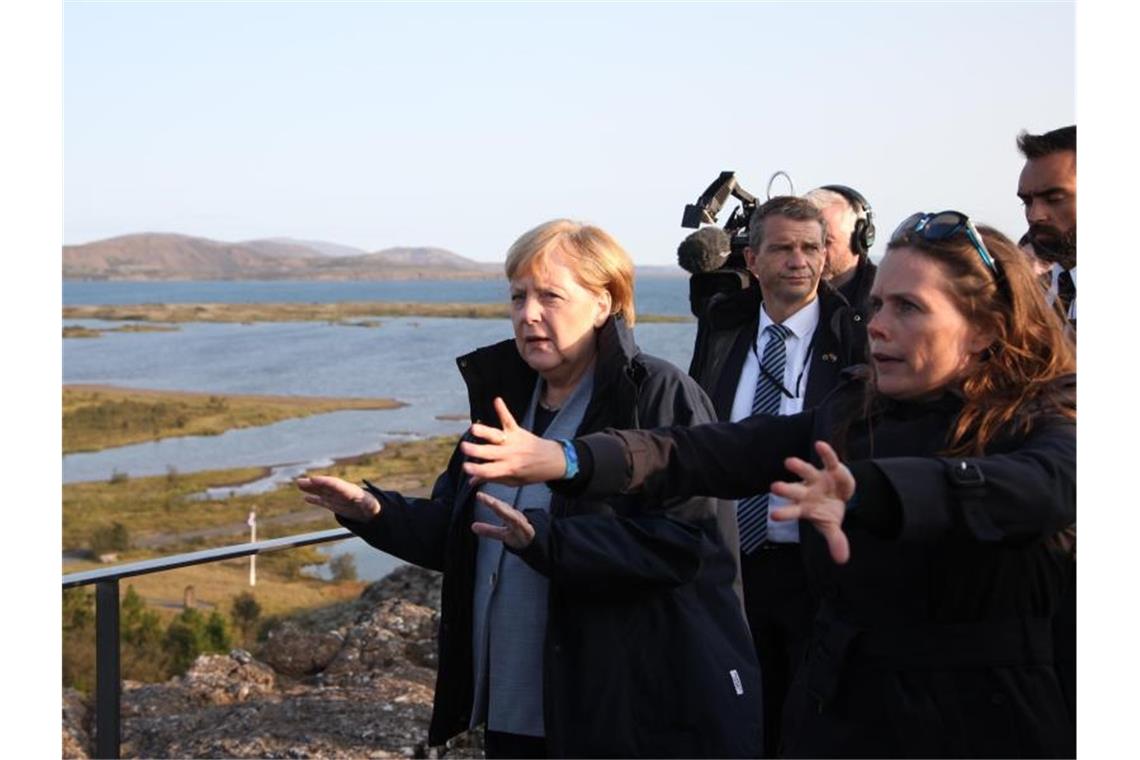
704 251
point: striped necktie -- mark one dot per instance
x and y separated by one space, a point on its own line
752 513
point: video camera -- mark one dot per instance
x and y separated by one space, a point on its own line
713 255
705 211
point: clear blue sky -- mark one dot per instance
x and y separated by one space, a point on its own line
462 125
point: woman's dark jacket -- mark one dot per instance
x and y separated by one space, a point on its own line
934 639
645 626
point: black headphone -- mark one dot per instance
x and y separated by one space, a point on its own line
863 236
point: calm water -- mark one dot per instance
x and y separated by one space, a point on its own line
655 295
409 359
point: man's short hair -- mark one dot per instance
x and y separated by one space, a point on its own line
789 206
1036 146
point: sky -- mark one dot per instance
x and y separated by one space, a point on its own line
463 125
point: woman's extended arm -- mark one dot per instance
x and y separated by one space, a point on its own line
724 459
412 529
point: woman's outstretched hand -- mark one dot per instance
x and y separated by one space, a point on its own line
513 456
516 531
821 498
339 496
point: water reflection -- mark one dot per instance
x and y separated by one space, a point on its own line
371 563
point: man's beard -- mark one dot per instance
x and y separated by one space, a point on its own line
1054 246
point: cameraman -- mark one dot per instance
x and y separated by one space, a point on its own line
776 349
850 235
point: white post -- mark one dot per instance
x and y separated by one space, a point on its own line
252 522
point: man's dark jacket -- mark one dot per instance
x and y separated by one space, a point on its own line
647 652
857 290
727 331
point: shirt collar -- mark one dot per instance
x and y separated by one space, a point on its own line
802 323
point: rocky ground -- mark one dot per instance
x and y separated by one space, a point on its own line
353 680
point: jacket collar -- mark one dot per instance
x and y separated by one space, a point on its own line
499 370
742 307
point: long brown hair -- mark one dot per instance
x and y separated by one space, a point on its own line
1032 349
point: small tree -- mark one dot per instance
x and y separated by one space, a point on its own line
78 609
78 639
110 538
217 634
343 567
143 655
189 635
184 639
245 613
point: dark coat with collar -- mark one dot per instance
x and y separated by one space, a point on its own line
857 290
934 639
727 332
647 652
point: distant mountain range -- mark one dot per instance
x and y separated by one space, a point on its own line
169 256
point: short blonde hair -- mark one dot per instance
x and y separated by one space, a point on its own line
596 258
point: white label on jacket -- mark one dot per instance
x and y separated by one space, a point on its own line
736 684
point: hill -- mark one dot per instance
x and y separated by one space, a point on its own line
169 256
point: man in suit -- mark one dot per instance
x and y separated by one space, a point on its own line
782 343
850 235
1047 188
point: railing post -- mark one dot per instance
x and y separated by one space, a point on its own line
108 684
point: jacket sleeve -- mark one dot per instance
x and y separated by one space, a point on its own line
723 459
661 541
413 529
1021 494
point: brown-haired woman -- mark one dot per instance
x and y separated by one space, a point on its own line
947 526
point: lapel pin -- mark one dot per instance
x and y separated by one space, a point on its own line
829 358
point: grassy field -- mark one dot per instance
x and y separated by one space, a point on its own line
158 506
337 313
142 518
216 584
98 417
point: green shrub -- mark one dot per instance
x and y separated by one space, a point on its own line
190 634
110 538
343 567
245 612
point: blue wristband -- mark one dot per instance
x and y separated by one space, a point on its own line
571 456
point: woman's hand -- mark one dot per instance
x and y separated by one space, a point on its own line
339 496
821 498
516 531
513 456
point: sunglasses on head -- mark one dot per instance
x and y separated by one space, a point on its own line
944 225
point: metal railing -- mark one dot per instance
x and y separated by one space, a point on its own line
108 680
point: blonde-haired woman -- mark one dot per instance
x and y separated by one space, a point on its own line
575 627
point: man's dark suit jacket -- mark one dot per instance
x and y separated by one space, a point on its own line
726 333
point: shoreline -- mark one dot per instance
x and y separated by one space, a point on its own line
335 313
390 403
97 417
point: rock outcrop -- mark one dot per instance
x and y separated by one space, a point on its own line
353 680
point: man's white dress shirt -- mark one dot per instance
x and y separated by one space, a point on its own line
802 324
